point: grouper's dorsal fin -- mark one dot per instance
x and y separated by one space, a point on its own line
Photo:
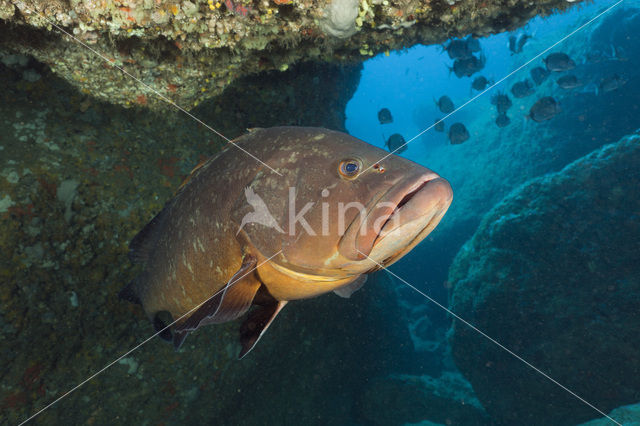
194 171
253 328
231 302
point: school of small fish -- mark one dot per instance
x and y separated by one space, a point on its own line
468 59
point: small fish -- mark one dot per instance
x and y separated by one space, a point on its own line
458 133
445 104
522 89
439 125
539 75
559 62
569 82
522 41
544 109
517 44
512 43
396 142
384 116
503 120
612 53
473 45
618 54
595 56
457 49
466 67
502 102
611 83
479 83
203 263
591 88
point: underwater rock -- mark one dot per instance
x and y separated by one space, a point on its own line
340 18
5 203
629 415
189 51
552 274
401 399
502 120
66 193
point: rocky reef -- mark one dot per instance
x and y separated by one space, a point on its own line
552 274
78 178
188 51
629 415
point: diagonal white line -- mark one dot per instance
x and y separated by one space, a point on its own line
494 341
160 95
64 395
581 27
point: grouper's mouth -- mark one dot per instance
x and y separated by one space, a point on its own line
399 220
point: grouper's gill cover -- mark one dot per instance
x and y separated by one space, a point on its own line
257 240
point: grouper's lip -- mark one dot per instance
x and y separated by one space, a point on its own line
359 239
420 201
409 200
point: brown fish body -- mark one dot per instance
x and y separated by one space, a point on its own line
195 251
210 240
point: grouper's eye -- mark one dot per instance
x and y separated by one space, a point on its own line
349 168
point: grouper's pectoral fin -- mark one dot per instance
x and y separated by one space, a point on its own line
256 324
231 302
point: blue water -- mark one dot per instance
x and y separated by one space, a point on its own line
407 82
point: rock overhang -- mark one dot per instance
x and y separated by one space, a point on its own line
190 51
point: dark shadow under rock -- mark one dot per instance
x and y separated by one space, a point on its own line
308 94
401 399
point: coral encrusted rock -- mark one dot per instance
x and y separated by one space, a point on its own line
553 274
190 50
